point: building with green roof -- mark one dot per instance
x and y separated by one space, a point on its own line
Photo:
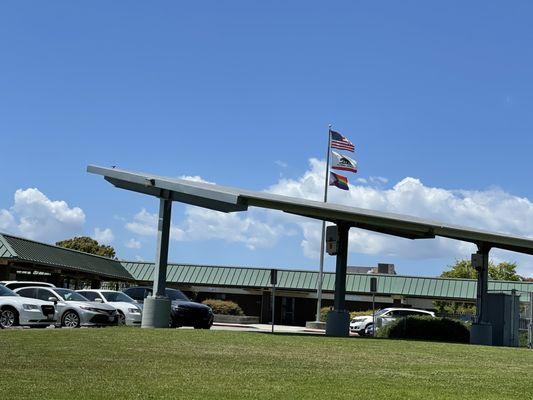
24 259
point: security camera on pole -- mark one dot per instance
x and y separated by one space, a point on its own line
342 163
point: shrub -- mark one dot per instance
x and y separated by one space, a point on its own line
354 314
324 313
426 328
223 307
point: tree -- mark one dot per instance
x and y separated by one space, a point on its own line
87 245
503 271
461 269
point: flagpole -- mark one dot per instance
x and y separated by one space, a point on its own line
323 235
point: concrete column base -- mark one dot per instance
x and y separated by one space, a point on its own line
156 312
481 333
338 323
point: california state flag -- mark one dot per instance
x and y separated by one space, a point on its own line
343 163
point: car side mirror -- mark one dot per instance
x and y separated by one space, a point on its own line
98 300
53 299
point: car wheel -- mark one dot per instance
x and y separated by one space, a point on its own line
368 329
8 317
121 321
70 319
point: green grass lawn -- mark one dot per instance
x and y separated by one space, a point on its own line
124 363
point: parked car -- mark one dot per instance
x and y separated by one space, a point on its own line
129 313
16 310
73 310
363 325
183 312
18 284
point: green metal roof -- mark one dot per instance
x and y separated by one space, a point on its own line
6 251
24 250
27 251
409 286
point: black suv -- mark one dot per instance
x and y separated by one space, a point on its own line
183 312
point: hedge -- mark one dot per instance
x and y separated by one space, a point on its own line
426 328
324 313
223 307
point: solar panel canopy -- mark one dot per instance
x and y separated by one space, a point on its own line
229 199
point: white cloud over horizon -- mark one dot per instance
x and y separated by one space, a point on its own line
145 224
133 244
35 216
104 236
492 209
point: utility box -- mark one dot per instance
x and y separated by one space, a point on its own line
503 313
332 239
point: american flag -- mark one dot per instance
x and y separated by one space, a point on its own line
340 142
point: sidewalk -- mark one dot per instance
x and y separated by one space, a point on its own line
266 328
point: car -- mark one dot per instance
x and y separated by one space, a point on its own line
363 324
18 284
129 312
73 310
20 311
183 312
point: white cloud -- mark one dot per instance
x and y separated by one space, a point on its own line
35 216
104 236
492 209
7 220
281 164
133 244
195 178
145 224
202 224
378 179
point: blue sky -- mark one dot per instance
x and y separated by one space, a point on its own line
241 93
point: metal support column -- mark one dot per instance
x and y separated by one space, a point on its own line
163 238
338 321
156 312
481 331
482 266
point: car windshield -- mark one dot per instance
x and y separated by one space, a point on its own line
6 292
117 296
174 294
70 295
381 312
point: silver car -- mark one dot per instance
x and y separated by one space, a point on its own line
73 310
129 312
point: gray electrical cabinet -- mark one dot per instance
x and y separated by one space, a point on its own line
503 313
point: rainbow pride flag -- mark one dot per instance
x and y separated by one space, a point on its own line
338 180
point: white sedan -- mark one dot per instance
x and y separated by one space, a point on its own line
363 325
129 311
16 310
